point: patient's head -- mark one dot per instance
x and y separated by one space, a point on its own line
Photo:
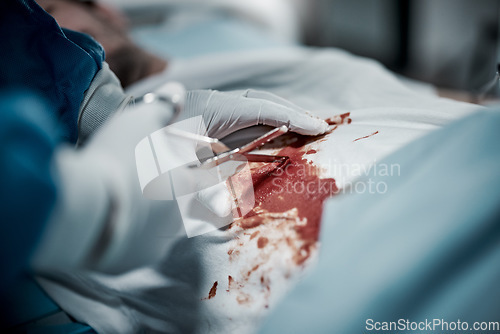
107 26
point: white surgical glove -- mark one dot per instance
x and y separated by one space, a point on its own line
101 218
227 112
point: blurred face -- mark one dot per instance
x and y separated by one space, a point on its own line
106 26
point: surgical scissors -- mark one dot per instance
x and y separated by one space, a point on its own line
174 94
224 153
243 150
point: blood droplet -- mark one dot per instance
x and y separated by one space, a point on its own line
213 290
339 119
262 242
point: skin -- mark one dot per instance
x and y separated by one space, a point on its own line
109 27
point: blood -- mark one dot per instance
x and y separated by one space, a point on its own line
253 269
345 116
262 242
230 282
280 187
252 222
213 290
243 298
366 136
339 119
254 234
294 185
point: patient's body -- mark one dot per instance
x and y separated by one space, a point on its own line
228 279
128 61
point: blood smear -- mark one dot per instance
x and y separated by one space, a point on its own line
254 234
262 242
230 282
213 290
294 185
366 136
339 119
293 189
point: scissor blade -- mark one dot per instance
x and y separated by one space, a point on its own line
216 145
263 139
233 154
264 158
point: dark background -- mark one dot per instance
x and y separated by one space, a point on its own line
450 43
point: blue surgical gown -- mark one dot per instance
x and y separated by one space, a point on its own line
38 55
44 73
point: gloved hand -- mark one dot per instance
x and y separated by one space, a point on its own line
227 112
101 218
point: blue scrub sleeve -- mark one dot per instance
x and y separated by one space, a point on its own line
28 190
38 55
424 245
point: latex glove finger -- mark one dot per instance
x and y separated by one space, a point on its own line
297 120
225 113
299 123
259 94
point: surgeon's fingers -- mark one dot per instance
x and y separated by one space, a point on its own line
275 114
300 120
263 95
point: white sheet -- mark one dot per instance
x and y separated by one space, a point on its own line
173 296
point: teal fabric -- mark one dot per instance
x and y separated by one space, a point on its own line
427 248
44 72
28 191
26 302
56 63
70 328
